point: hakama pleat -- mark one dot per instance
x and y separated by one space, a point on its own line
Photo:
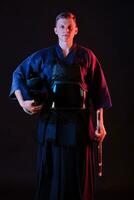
65 172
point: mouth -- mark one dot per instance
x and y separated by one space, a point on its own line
65 35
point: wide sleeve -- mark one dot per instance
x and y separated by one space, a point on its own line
20 75
100 94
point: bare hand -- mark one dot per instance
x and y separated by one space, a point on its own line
100 133
31 106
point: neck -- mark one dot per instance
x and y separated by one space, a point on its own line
65 46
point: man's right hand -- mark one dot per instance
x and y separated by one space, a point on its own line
31 106
28 106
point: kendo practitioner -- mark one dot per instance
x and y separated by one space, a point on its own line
63 84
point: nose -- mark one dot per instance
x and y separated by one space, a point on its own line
67 29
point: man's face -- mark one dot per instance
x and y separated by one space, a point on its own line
66 29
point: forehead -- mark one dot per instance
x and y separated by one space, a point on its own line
65 21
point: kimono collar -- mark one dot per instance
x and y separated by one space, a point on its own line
70 57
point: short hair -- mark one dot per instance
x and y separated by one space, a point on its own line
66 15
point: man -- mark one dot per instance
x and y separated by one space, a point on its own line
72 83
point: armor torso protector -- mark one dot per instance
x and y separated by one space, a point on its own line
67 85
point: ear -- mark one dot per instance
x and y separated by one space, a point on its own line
55 30
76 30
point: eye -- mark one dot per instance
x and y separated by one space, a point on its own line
70 28
62 27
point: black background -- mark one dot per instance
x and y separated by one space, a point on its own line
107 28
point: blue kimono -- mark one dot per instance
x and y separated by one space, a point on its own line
65 133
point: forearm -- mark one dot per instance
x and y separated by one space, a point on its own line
99 119
19 97
100 129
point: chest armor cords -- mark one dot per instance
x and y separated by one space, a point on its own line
67 87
